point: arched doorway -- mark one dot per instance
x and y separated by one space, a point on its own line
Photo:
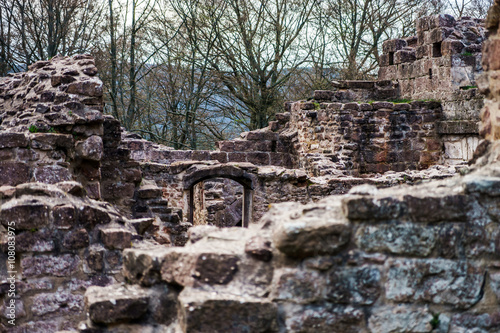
197 175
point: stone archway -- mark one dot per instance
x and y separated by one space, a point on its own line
200 173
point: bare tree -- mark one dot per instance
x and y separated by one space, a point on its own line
256 49
40 29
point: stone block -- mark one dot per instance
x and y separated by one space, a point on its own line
369 208
450 47
475 322
407 239
51 174
458 127
90 149
438 208
149 192
490 59
307 232
482 184
49 141
323 318
144 265
299 286
63 265
64 216
258 158
198 268
91 88
404 56
14 173
401 319
202 312
437 35
116 303
324 95
357 285
393 45
116 238
76 239
13 140
34 241
441 20
219 156
61 302
437 281
90 215
26 214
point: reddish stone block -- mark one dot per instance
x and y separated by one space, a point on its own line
86 88
219 156
14 173
237 157
404 56
116 238
76 239
393 45
13 140
450 47
64 216
258 158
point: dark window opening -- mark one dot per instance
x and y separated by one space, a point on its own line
391 58
436 50
430 73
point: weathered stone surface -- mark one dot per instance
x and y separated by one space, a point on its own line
200 312
312 231
406 239
26 214
143 266
323 318
64 216
60 302
13 140
90 215
357 207
353 285
188 269
63 265
90 149
14 173
149 191
475 322
401 320
299 286
34 241
76 239
116 238
259 248
438 281
450 207
51 174
114 304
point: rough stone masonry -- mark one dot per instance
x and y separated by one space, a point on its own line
100 216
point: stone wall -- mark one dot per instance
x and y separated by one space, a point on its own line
63 243
420 259
424 258
369 138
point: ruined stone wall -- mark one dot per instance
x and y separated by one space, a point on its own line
51 124
63 243
369 138
442 63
